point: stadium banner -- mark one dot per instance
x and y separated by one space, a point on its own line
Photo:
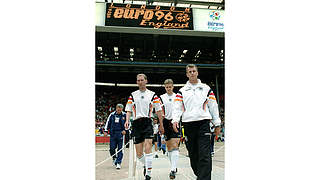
208 20
132 15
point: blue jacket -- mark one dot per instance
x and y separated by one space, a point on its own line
116 122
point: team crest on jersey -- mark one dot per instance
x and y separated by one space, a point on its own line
170 99
142 97
200 88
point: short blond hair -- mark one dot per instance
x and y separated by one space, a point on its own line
191 66
168 81
145 77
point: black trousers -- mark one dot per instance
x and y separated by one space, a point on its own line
198 145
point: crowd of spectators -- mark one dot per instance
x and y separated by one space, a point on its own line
106 100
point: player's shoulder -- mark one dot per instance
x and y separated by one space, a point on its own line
163 95
135 92
182 89
205 86
150 92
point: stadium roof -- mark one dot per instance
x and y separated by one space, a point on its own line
209 4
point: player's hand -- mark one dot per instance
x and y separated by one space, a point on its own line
161 129
123 132
175 126
217 131
126 125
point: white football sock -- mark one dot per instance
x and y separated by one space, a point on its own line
142 159
148 163
169 155
174 159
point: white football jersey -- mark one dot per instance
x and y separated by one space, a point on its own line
167 104
141 103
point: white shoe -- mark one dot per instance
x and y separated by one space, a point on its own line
114 162
118 166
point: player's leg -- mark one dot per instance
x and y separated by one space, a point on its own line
138 140
154 141
148 136
173 140
191 132
113 149
139 152
120 154
205 159
148 156
173 150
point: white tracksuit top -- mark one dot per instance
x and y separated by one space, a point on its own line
167 104
195 103
141 103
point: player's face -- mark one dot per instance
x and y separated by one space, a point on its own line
169 88
119 110
192 73
141 81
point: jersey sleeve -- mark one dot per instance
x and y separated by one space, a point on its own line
177 107
156 103
213 108
129 104
107 126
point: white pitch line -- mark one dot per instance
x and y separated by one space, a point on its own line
101 162
112 156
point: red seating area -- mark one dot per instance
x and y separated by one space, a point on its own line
102 139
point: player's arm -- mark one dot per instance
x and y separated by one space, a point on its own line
128 110
108 124
214 111
160 117
158 109
177 111
128 115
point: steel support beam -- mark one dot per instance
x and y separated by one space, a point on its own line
176 32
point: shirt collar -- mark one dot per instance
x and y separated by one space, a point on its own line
190 85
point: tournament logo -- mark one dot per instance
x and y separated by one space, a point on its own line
215 20
215 15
